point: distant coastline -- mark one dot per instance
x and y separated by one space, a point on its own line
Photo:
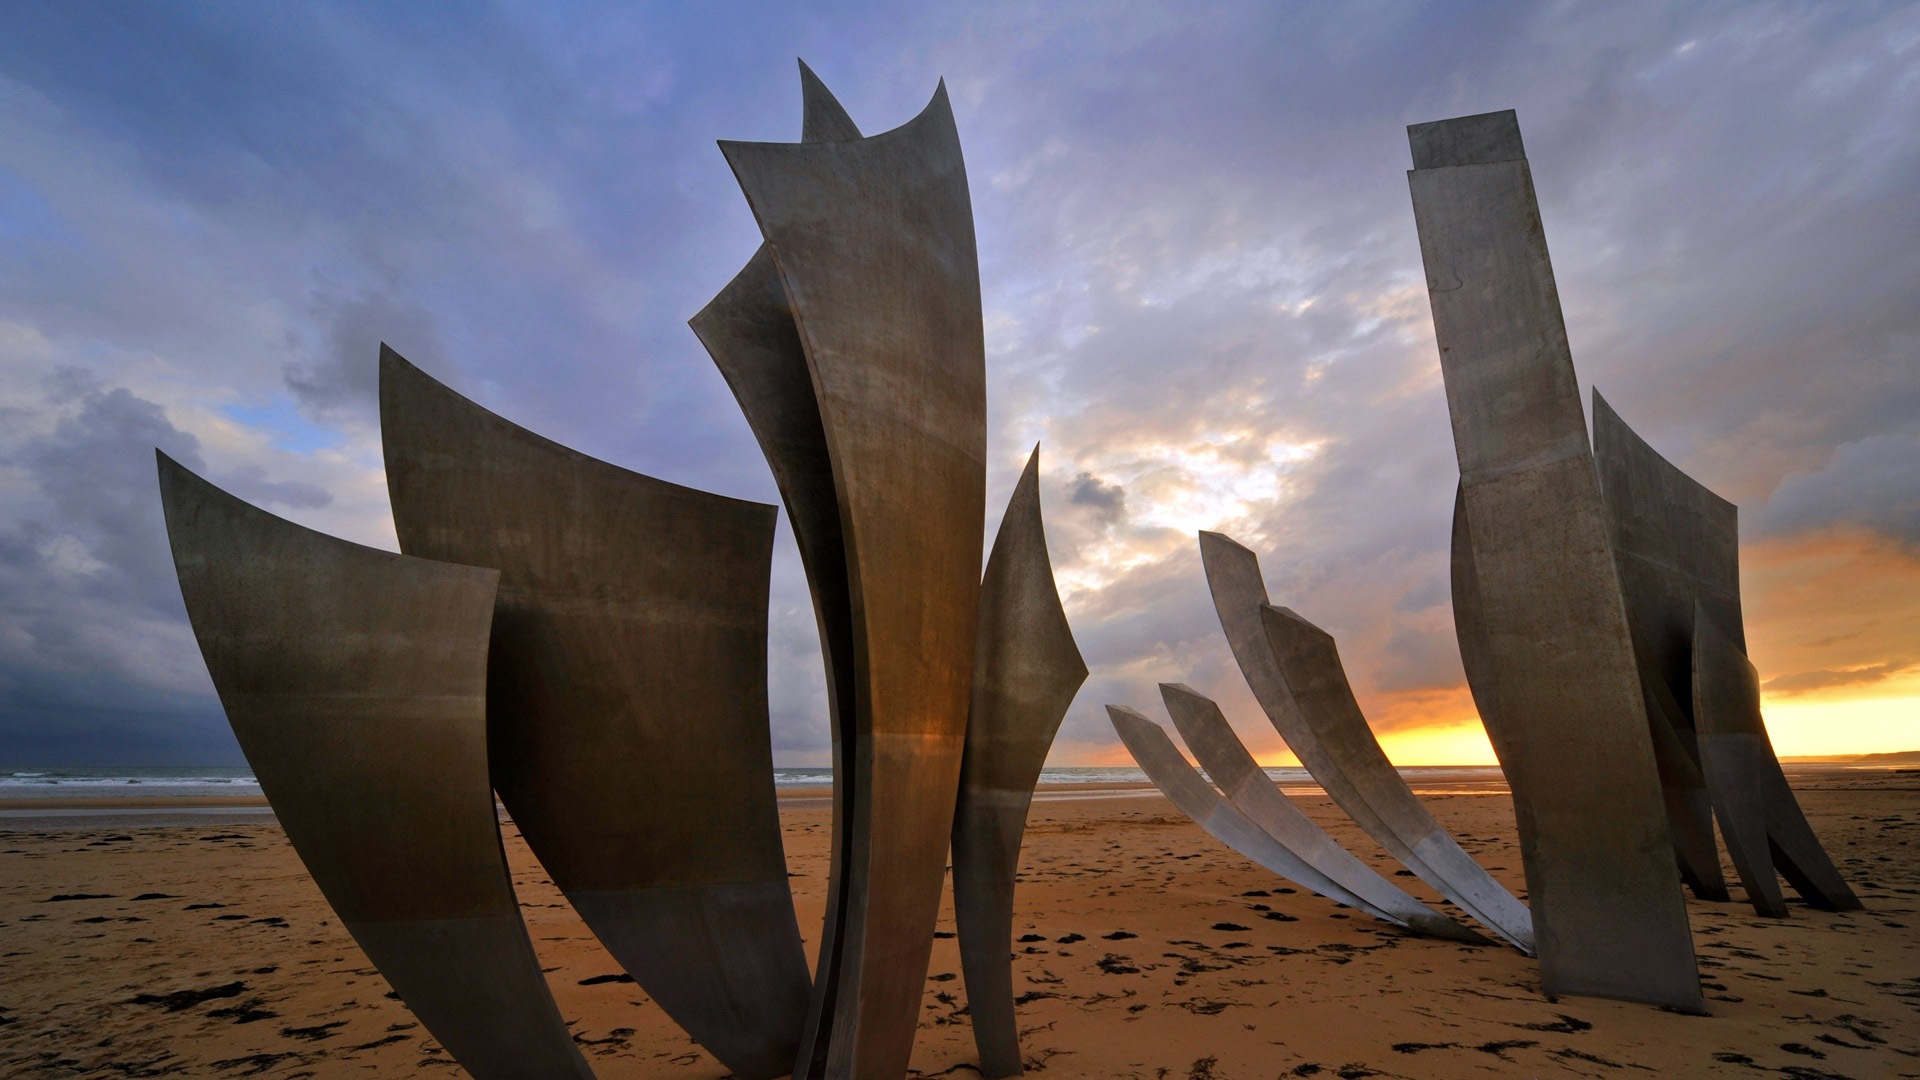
1897 757
201 788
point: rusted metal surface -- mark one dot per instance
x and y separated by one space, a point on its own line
355 680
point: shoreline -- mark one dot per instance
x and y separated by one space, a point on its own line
235 802
1144 950
1805 774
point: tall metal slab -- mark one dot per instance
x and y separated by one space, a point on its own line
1339 749
1676 543
1186 789
626 701
873 240
1569 725
355 680
1733 741
1254 794
1758 812
1678 546
749 331
1026 670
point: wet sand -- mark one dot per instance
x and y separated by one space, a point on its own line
203 950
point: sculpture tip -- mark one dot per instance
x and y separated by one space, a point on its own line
1292 618
1219 541
822 117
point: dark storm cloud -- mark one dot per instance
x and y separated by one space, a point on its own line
1202 285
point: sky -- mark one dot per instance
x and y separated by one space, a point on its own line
1202 286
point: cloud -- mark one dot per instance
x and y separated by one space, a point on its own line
1872 482
337 377
1202 286
1109 501
1805 681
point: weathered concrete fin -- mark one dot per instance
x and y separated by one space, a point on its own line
1186 789
1569 722
626 703
1026 670
1345 759
1763 823
873 239
355 680
1310 662
1254 794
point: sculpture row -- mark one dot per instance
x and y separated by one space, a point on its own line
590 643
1597 604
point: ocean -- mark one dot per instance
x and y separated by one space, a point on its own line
185 781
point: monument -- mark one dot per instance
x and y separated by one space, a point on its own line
1334 743
1678 548
626 703
1026 670
1536 593
872 243
591 643
355 680
1188 790
1206 732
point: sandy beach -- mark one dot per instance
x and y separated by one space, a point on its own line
1150 951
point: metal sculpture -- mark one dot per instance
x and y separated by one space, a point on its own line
1317 681
355 680
749 331
1732 741
1678 546
1337 747
1738 758
626 702
873 242
1186 789
1255 795
1026 670
1568 720
1675 542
